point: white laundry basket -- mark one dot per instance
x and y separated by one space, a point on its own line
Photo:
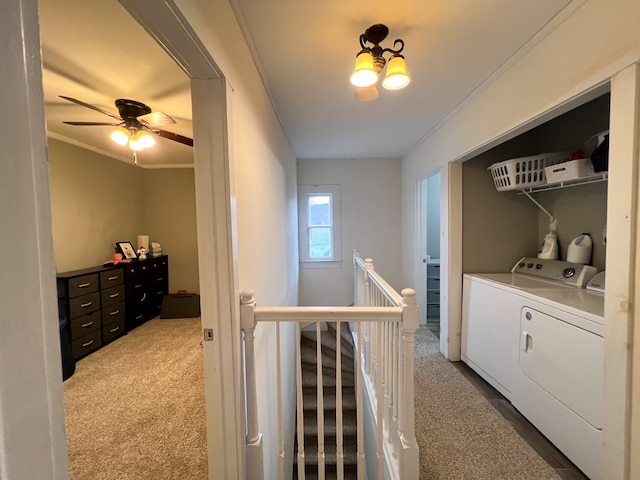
525 172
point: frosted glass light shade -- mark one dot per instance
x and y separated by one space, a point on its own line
364 74
145 139
120 135
366 94
135 145
397 76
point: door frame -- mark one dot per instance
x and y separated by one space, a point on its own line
215 218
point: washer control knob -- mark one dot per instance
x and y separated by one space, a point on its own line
538 266
521 264
527 315
529 265
568 272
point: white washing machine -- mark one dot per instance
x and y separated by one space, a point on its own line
536 335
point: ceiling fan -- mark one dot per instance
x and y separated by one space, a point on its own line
134 123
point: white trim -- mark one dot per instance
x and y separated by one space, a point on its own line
32 429
217 251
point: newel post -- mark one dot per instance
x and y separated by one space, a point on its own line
409 464
255 470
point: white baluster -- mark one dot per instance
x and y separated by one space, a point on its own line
410 319
359 403
339 427
320 411
254 438
380 405
300 407
279 404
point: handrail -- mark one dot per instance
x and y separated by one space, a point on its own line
327 314
383 323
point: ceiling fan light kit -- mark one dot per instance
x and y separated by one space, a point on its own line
136 124
370 62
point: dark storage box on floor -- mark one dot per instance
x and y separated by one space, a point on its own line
180 305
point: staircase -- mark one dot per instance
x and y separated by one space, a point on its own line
308 346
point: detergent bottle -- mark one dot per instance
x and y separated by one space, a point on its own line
580 249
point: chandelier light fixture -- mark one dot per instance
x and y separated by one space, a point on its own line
370 63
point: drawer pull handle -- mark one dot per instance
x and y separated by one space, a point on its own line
159 279
114 295
114 329
84 325
88 343
138 317
138 286
85 305
115 277
84 285
115 312
144 297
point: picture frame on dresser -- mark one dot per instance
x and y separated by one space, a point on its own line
127 250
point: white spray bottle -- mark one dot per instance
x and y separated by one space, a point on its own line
549 247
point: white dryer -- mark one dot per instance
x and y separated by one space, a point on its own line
536 335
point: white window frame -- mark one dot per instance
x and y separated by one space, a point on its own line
304 192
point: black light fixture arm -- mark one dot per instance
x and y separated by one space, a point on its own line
376 34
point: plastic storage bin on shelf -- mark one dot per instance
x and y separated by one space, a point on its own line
572 170
525 172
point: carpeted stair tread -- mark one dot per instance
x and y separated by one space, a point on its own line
328 341
309 355
310 398
349 423
330 457
309 376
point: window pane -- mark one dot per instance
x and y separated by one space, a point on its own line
320 243
319 210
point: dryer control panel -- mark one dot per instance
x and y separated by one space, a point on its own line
567 273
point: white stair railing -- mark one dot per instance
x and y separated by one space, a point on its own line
383 324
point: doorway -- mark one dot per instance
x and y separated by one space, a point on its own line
430 251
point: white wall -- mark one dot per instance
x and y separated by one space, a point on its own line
264 173
551 73
370 211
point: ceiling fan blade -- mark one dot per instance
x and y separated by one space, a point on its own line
173 136
156 119
92 107
93 123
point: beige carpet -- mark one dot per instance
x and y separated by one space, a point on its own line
460 435
135 408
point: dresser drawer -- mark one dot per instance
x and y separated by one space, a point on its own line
433 283
113 330
136 269
433 270
83 305
112 295
83 285
81 326
86 344
157 264
433 297
111 278
433 311
113 313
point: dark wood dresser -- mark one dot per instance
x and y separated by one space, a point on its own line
146 283
103 303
